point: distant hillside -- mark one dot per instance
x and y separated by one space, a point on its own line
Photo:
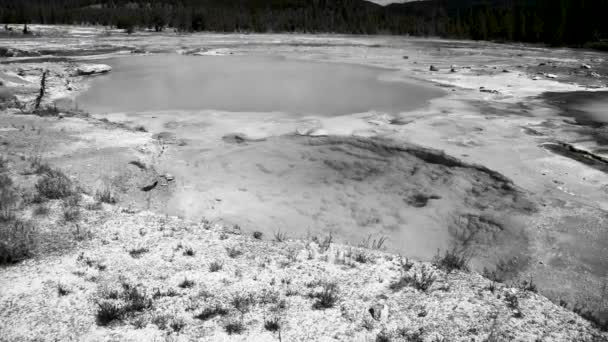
572 22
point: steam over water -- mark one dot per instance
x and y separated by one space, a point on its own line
248 84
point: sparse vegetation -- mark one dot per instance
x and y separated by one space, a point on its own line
327 297
211 312
138 252
186 283
243 302
8 198
215 266
62 290
377 244
71 208
115 305
452 260
106 195
528 285
234 327
421 281
189 251
324 246
54 184
108 311
280 236
41 210
234 251
272 324
18 240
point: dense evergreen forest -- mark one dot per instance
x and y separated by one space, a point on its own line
557 22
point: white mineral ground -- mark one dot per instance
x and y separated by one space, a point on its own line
497 190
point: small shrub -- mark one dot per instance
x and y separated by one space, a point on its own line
211 312
41 210
38 167
106 195
377 244
62 290
186 283
272 324
234 252
135 299
140 128
215 266
55 185
8 198
280 236
327 297
406 265
451 260
234 327
138 252
384 337
243 302
71 213
361 257
189 251
161 321
108 311
257 235
18 240
324 246
177 324
528 285
95 206
422 281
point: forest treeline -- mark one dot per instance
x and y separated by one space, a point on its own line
556 22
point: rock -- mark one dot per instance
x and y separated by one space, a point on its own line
594 74
379 312
505 70
433 68
169 177
92 69
585 66
491 91
453 68
406 57
550 76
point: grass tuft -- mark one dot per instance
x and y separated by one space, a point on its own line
234 327
215 266
327 297
54 184
272 324
422 281
18 241
451 260
211 312
186 283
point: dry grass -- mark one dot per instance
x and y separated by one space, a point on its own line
421 281
451 260
18 241
54 184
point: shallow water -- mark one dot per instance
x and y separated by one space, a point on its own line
248 84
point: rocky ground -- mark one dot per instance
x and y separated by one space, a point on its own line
493 168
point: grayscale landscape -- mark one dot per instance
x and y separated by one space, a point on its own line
163 186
